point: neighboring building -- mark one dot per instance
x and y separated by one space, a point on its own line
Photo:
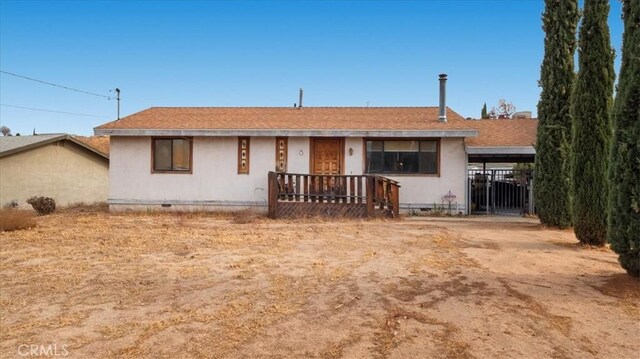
52 165
521 115
100 143
217 157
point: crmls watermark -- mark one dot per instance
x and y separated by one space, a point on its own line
43 350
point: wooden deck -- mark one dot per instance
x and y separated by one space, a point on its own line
303 195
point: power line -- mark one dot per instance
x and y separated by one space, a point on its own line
55 85
53 111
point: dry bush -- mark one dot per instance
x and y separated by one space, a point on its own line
42 205
13 220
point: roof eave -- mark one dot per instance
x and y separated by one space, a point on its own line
501 150
286 132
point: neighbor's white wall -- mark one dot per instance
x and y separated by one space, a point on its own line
62 170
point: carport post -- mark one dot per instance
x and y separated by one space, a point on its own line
485 179
493 191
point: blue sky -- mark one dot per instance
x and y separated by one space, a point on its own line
210 53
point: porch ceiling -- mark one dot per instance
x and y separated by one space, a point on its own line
502 158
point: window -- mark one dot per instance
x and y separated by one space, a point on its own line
172 154
281 154
243 155
402 156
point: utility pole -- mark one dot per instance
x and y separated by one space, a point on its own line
118 99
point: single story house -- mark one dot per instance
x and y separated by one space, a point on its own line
59 166
220 157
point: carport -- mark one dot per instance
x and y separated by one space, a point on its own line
494 186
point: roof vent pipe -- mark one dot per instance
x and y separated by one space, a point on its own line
442 113
300 100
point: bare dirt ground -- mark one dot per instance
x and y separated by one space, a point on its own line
179 286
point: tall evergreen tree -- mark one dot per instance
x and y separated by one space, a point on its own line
591 110
483 114
552 185
624 182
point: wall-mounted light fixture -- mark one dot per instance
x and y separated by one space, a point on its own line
350 151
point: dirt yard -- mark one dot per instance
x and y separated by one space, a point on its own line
180 286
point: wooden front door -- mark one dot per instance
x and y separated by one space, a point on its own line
327 156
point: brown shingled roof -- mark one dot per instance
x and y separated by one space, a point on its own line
503 132
101 143
316 118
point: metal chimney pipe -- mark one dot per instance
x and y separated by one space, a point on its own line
442 114
300 100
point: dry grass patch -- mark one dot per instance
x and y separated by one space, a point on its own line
13 220
196 285
245 216
80 207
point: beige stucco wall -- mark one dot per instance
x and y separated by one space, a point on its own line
61 170
214 177
298 163
215 182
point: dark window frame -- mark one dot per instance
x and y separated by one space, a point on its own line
397 173
153 155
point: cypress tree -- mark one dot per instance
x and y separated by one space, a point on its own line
552 176
624 197
483 114
591 110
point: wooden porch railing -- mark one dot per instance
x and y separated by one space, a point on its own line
295 194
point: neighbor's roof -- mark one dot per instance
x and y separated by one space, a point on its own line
13 144
101 143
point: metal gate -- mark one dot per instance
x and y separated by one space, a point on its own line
504 192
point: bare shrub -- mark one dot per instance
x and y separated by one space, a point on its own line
13 220
42 205
12 204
